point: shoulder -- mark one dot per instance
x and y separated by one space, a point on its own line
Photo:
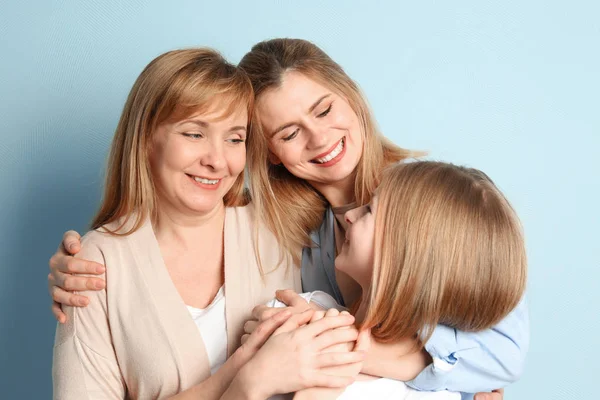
110 237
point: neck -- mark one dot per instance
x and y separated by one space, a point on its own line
361 311
338 193
188 229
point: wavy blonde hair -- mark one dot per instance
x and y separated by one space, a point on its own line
288 205
449 249
173 86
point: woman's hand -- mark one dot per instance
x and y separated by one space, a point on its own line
295 304
295 356
260 335
350 370
63 279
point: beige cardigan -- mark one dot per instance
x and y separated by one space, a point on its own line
137 339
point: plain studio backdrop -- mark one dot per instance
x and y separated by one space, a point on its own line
511 87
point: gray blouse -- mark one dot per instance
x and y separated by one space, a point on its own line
318 268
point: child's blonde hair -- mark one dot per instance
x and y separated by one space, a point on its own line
449 249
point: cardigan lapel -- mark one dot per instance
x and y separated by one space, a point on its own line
179 327
245 286
239 278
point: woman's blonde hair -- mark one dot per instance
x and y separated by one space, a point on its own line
449 249
173 86
289 206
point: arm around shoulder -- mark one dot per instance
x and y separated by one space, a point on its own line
477 361
84 364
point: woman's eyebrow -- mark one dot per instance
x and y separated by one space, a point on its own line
195 121
282 127
316 103
311 109
238 128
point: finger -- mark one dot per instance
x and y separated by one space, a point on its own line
67 298
295 322
265 329
78 283
245 338
327 323
66 263
250 326
319 314
58 313
335 336
330 381
324 360
71 242
263 313
291 298
74 265
332 312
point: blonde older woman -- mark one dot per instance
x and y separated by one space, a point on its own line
181 268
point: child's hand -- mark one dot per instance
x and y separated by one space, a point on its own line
497 394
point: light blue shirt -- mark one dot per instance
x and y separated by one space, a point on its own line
466 362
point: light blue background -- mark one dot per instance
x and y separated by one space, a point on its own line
510 87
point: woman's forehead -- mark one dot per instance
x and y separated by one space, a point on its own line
296 96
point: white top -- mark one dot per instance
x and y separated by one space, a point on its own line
379 388
212 324
383 389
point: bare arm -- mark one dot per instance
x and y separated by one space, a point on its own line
397 360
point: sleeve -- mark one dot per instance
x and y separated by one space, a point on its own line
85 365
472 362
324 300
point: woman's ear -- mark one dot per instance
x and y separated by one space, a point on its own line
273 159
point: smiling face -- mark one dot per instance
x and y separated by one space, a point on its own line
311 130
358 252
196 161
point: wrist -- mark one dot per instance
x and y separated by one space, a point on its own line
247 385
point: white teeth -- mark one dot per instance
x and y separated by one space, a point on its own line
334 153
206 181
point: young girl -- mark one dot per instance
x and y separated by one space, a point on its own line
437 244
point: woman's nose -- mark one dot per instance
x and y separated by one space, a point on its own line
214 157
318 137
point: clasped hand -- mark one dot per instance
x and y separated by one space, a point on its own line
309 348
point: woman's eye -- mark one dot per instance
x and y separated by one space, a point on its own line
193 135
368 208
324 113
291 136
236 141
